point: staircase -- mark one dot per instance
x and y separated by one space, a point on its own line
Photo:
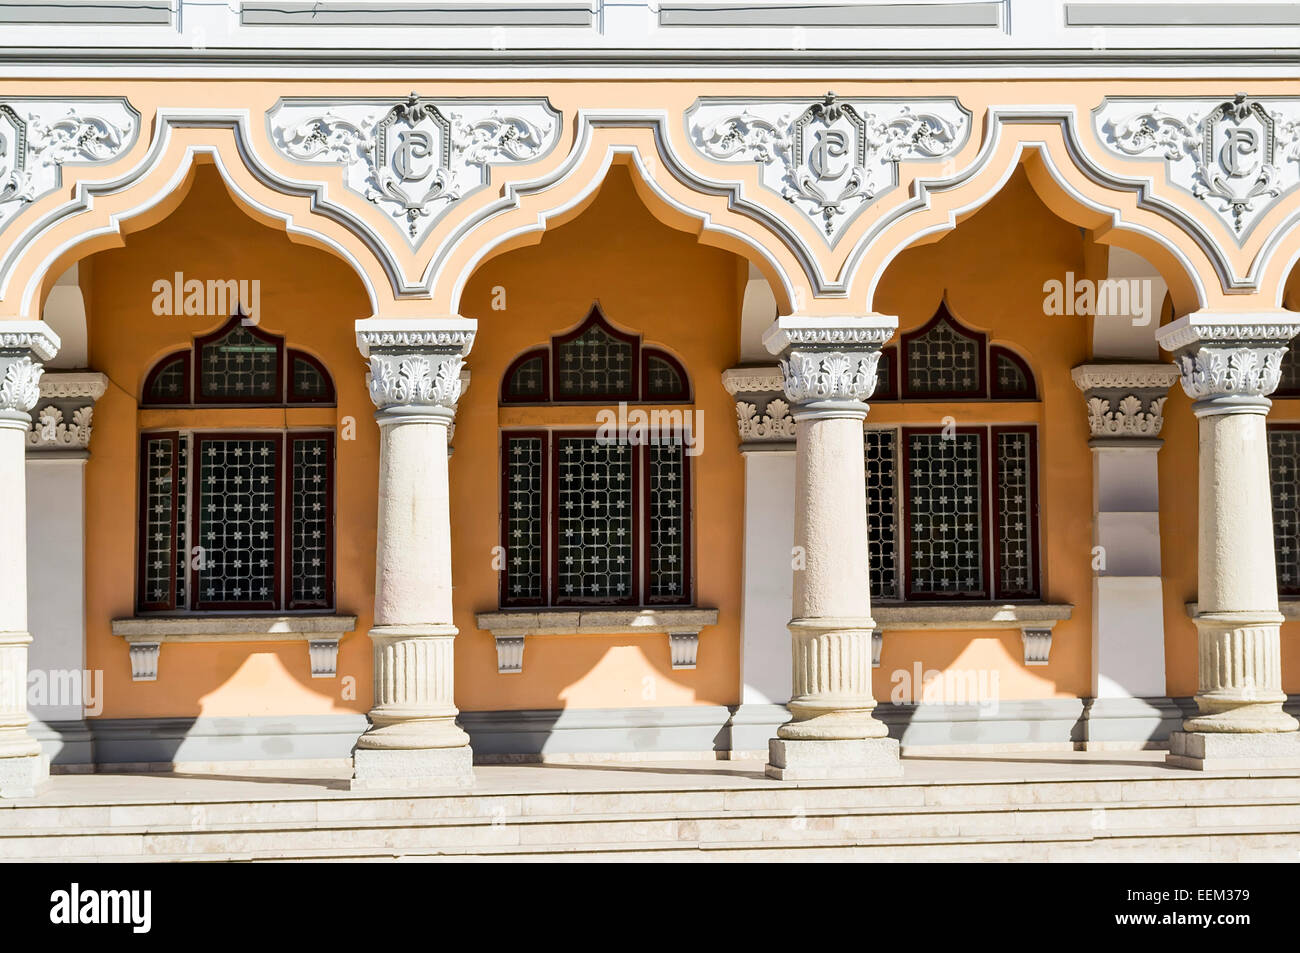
1174 816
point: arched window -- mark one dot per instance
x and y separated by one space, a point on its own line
597 515
236 519
953 509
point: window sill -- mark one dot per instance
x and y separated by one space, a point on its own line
682 625
1035 620
146 634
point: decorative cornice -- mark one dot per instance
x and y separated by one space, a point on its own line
753 380
35 337
1265 328
1119 376
73 385
871 330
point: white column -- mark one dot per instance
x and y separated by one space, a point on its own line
767 432
1229 364
57 450
23 345
1125 403
414 741
829 368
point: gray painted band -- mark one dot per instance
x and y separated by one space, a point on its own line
597 730
914 15
64 742
1182 14
137 12
166 740
281 13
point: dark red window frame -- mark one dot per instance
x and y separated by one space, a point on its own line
529 355
196 584
226 400
981 391
162 364
1035 589
1270 426
284 517
550 544
142 525
995 390
291 396
284 395
888 359
905 458
596 319
684 394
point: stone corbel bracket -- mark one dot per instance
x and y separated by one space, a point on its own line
322 633
63 417
510 628
1125 401
763 415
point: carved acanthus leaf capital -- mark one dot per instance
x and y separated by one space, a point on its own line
415 364
1229 355
1125 400
829 359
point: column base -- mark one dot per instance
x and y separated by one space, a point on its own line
833 760
1221 751
19 777
412 768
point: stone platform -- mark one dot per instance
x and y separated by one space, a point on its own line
1127 806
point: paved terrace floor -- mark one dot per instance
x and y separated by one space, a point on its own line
269 784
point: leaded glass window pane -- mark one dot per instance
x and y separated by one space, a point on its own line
884 374
170 385
308 381
945 522
529 379
159 546
882 513
1011 380
1284 477
667 521
595 364
524 518
943 361
239 366
237 521
594 520
1289 383
1015 528
664 381
311 508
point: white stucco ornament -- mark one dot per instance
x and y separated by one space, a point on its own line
414 158
1238 155
829 158
38 137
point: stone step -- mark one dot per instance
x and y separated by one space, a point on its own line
867 825
189 813
1260 843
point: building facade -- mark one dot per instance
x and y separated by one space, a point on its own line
427 383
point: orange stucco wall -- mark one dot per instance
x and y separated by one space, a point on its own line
679 295
992 270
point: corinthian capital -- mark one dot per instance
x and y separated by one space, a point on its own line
23 346
415 365
829 359
1232 360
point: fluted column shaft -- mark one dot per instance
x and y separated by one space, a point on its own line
23 345
829 369
414 381
1229 364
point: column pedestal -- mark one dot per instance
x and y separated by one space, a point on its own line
829 369
414 741
1229 364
